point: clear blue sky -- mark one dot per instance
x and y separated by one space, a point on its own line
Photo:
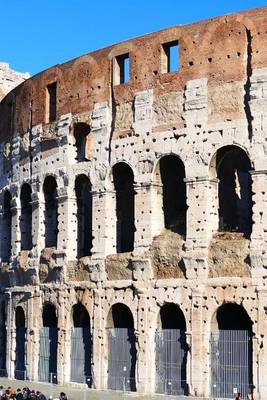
36 34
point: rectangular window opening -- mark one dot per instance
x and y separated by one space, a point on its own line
122 69
52 102
170 57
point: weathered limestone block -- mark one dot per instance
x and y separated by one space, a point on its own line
142 269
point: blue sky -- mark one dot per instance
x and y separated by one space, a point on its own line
36 34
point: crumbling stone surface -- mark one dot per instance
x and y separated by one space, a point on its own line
9 79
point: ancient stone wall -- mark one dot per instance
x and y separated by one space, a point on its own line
9 79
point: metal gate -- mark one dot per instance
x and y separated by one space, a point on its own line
171 357
81 355
20 369
231 363
48 354
121 359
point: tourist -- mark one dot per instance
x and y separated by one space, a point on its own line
250 396
19 395
63 396
239 396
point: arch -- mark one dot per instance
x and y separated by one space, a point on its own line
48 344
81 345
170 173
25 217
121 348
123 179
6 227
231 350
20 362
83 190
231 165
83 141
3 339
51 211
171 351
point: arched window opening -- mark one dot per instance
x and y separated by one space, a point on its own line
172 175
81 346
20 367
231 351
81 135
122 349
234 192
48 345
26 217
171 351
3 339
6 227
51 211
83 191
123 182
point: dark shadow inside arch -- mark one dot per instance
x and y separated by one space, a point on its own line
235 192
3 339
83 190
20 367
26 217
231 351
81 346
171 351
122 348
172 175
123 179
6 227
51 211
81 131
48 345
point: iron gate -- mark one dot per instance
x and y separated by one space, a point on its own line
171 357
48 354
121 359
81 355
20 353
231 363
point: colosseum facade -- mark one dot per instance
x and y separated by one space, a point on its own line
133 187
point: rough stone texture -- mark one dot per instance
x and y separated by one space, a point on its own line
9 79
216 101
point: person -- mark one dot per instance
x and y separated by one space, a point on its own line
63 396
250 396
19 394
239 396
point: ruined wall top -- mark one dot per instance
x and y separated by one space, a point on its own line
9 79
223 50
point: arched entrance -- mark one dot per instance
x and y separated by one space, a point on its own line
20 368
121 348
51 211
6 227
3 339
48 345
231 352
81 346
26 217
171 351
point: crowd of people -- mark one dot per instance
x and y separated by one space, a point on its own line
27 394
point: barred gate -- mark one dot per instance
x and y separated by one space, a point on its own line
121 359
48 354
81 355
20 353
171 357
231 363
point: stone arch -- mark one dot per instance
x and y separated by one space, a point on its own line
83 190
169 173
81 345
51 211
25 222
84 141
123 180
121 348
20 362
231 165
6 227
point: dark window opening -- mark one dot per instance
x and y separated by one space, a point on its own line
3 340
172 317
81 131
122 69
83 191
20 367
49 316
52 102
235 192
6 228
123 182
231 316
172 174
120 316
51 211
26 218
170 57
48 345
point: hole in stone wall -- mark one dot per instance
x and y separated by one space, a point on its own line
171 317
26 217
82 142
20 343
51 211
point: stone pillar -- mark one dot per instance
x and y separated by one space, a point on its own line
38 228
10 336
259 348
104 224
62 359
15 231
33 324
100 351
69 219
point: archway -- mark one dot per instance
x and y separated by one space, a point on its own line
6 227
3 339
81 346
121 348
171 351
51 211
83 192
231 166
123 179
26 217
20 367
81 135
231 351
48 345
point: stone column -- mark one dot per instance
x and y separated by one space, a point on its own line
9 337
62 360
69 220
259 348
38 228
33 324
15 231
100 351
